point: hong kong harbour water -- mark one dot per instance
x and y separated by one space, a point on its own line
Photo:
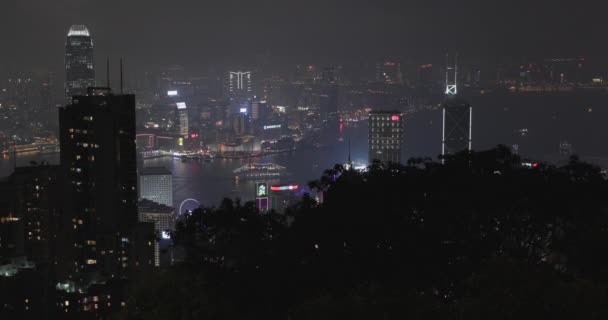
550 119
210 182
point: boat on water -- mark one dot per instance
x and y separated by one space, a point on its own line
261 171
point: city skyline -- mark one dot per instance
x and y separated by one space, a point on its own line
303 160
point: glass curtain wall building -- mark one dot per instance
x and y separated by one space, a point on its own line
79 62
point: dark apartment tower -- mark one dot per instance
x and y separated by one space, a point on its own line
328 102
99 165
329 94
79 62
386 136
37 203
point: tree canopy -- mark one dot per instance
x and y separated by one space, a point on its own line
482 235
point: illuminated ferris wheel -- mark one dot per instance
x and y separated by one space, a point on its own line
189 207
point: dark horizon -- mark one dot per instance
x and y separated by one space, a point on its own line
201 35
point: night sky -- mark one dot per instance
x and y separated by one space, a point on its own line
205 33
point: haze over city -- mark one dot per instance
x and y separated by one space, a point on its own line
303 160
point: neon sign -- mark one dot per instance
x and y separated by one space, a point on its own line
395 118
261 189
284 188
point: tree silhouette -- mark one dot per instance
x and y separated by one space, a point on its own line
479 236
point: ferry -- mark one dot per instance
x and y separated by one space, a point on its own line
260 171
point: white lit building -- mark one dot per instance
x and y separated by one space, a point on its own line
156 184
386 136
163 218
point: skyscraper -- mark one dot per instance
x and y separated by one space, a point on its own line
79 62
329 94
163 218
156 184
457 125
182 115
102 240
328 101
386 136
457 115
240 85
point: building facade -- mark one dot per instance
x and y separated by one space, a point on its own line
156 184
386 136
457 125
79 62
163 218
103 244
240 84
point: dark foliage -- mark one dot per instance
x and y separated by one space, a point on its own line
479 237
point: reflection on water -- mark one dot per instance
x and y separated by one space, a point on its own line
210 182
536 123
213 181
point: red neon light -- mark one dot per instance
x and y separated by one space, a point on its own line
395 118
390 64
284 188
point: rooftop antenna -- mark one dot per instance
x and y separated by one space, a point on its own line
447 71
108 72
121 83
456 72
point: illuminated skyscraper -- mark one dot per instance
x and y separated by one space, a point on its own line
239 89
386 136
239 84
182 115
79 62
457 116
156 184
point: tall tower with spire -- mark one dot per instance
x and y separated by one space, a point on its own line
79 62
457 114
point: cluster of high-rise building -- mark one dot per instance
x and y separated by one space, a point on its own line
386 139
71 233
75 234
